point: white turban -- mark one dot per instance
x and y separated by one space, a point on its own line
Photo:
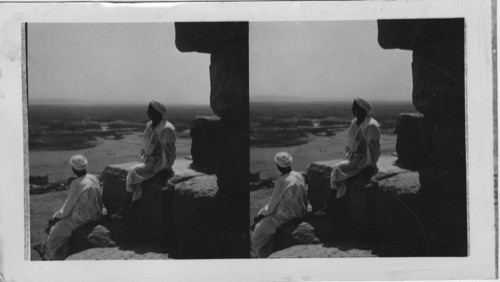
78 162
363 104
283 159
159 107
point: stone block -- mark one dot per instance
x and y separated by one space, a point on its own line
116 253
205 37
411 34
295 233
321 251
229 82
400 229
318 177
355 209
92 235
149 221
410 139
193 215
204 133
113 182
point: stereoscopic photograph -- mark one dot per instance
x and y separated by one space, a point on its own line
138 140
358 139
248 141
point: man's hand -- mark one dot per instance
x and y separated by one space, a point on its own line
256 220
51 223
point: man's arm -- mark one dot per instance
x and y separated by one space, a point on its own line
278 191
74 193
168 135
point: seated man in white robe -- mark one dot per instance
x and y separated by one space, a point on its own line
288 202
83 205
157 155
361 153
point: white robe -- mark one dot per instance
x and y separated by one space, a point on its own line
83 205
288 202
157 154
362 150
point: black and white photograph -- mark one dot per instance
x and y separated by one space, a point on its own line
248 141
358 138
132 131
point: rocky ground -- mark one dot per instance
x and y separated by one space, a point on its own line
397 231
103 241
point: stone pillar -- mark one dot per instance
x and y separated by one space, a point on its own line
409 144
227 43
204 142
438 93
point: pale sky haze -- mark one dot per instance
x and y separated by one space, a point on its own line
136 62
118 63
334 60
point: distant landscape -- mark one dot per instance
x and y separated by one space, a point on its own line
112 133
106 134
71 127
279 123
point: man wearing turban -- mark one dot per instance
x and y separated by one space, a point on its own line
362 150
288 202
83 205
157 154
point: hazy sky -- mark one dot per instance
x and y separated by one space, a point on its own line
333 60
133 63
124 63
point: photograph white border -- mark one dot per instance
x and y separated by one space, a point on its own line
480 264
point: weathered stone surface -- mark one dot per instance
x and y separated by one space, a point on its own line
205 37
116 254
193 211
204 144
415 34
229 88
321 251
295 233
439 93
354 211
318 177
409 145
229 82
149 221
398 216
233 166
89 236
113 180
380 222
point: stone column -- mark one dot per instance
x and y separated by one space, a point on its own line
438 93
227 44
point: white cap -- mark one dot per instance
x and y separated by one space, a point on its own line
78 162
363 104
283 159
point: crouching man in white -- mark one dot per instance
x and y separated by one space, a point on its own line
288 202
83 205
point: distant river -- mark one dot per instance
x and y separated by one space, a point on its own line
320 148
55 163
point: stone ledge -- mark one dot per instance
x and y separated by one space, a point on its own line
92 235
116 253
193 207
380 221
